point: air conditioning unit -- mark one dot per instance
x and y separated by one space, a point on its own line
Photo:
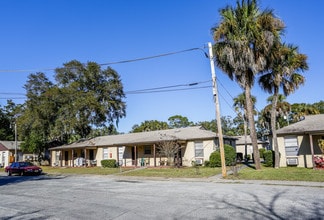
199 161
292 161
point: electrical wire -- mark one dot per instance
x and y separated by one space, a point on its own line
165 87
109 63
151 57
168 90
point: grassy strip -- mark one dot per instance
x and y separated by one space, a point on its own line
82 170
184 172
165 172
283 173
248 173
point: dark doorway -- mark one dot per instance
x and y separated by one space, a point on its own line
91 154
66 157
134 156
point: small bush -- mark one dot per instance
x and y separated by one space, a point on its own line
230 157
215 159
111 163
268 158
262 150
206 163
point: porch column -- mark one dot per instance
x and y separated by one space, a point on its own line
85 157
135 154
154 154
117 153
61 158
72 158
312 148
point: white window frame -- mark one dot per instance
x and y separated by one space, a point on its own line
199 149
291 146
105 153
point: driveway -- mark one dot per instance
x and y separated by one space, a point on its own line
113 197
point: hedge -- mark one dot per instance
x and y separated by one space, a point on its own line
110 163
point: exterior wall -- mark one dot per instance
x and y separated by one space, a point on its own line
304 152
52 156
75 157
142 159
189 154
4 158
8 156
282 151
126 155
112 154
241 149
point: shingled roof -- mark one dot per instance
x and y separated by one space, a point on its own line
241 140
309 125
11 145
149 137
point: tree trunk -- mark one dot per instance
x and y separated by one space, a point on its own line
170 161
249 109
274 130
245 135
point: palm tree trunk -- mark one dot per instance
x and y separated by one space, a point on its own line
249 108
274 130
245 134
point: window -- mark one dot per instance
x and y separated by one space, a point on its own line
291 146
105 154
199 149
57 156
147 150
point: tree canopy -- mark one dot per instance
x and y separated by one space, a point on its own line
83 99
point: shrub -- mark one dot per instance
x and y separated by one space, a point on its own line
230 157
262 150
215 159
206 163
111 163
268 158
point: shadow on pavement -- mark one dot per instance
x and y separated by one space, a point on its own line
14 179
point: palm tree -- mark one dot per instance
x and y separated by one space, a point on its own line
283 110
299 110
284 64
243 39
240 105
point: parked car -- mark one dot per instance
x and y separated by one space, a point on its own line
23 168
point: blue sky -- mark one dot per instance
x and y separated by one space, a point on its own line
40 35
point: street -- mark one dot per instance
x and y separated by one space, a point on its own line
114 197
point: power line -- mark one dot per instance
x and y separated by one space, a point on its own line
165 87
142 91
109 63
151 57
169 90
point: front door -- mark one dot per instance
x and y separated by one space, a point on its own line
134 156
66 158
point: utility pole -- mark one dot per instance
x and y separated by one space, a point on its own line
16 141
216 101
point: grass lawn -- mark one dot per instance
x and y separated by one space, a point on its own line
248 173
283 173
185 172
82 170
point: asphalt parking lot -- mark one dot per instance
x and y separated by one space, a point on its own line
114 197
